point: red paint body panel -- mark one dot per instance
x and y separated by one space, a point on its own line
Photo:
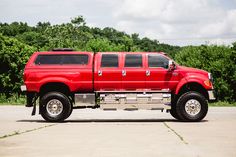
86 78
76 77
135 78
161 78
110 78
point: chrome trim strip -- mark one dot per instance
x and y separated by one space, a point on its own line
135 91
211 95
135 106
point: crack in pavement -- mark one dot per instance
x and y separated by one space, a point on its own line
26 131
177 134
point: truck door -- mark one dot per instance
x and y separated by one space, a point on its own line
159 77
107 74
133 72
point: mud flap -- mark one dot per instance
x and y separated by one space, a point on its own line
34 109
34 105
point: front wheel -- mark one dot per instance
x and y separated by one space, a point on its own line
192 107
173 113
55 107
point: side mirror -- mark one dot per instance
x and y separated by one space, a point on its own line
171 65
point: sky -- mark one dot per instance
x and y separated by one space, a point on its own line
175 22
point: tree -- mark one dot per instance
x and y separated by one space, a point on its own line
103 45
14 28
78 21
32 38
13 55
219 60
18 41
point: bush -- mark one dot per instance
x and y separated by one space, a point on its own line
13 56
219 60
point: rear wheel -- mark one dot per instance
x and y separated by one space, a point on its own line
192 107
55 107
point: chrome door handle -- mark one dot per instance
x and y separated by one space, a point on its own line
99 73
123 73
148 72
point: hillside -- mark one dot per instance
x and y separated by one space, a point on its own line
18 41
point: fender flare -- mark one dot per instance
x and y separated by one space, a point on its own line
181 83
54 80
200 80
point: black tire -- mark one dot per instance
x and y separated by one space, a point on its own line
69 113
191 107
173 113
55 107
173 110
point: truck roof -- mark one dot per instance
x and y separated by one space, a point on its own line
133 52
92 53
62 52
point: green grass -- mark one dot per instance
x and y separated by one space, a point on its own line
14 99
223 103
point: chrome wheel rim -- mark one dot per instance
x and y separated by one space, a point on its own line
192 107
54 107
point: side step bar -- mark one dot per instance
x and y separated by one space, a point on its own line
124 101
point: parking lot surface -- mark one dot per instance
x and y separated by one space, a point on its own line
97 133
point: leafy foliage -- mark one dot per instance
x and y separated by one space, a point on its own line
13 56
219 60
18 41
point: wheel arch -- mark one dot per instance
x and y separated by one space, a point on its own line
192 86
54 86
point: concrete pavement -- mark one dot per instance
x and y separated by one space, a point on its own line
96 133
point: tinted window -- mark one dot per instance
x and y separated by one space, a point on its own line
155 60
75 59
133 60
62 59
109 60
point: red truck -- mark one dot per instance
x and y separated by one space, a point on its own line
64 80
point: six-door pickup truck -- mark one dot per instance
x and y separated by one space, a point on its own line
64 80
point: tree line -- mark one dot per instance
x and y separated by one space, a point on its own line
18 41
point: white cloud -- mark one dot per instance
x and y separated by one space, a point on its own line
196 20
178 22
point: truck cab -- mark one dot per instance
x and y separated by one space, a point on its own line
115 80
134 71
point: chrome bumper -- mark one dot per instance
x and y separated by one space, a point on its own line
211 94
23 88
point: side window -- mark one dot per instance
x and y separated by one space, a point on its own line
75 59
48 59
80 59
109 60
133 60
155 60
